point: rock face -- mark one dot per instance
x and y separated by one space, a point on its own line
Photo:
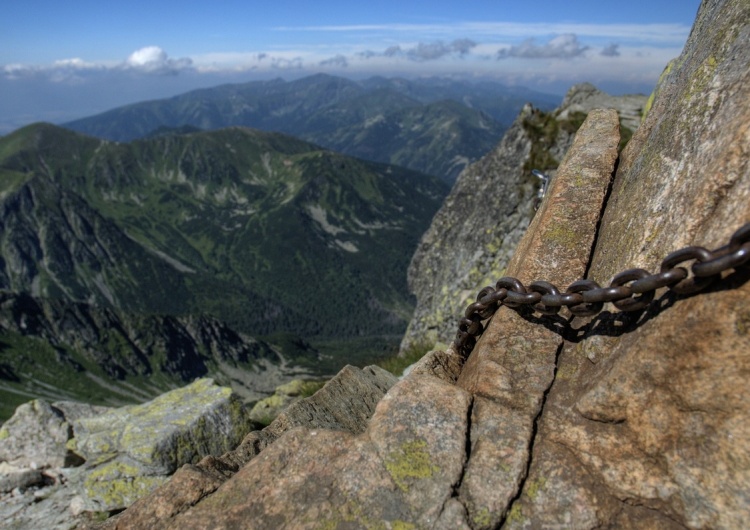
622 420
648 427
476 231
135 448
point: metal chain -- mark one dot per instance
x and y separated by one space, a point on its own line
630 290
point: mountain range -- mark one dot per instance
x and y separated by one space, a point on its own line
269 234
435 126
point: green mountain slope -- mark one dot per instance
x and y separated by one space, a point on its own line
266 232
395 122
441 138
500 102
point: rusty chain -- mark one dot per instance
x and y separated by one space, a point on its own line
630 290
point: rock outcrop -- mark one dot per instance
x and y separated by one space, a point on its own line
622 420
343 405
475 232
123 454
101 459
646 424
585 97
134 449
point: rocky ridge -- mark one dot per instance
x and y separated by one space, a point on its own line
476 230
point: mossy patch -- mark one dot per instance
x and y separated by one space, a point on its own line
542 128
410 461
396 365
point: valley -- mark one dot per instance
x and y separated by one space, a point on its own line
296 248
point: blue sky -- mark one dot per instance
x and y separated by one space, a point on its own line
64 60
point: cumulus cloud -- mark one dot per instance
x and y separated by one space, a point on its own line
561 47
425 51
611 51
154 60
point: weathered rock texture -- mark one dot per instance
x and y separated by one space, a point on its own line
514 364
476 231
36 436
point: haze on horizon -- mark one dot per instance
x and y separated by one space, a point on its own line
63 61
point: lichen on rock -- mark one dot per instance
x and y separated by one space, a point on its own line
132 450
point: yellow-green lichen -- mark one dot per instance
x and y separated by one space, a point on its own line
4 433
119 484
535 486
515 515
651 98
271 402
482 518
410 461
562 236
351 514
566 371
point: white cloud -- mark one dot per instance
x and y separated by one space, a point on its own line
424 51
148 60
154 60
559 47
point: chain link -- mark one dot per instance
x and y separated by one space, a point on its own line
630 290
